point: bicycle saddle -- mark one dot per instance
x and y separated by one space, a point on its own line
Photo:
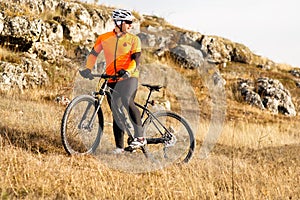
153 87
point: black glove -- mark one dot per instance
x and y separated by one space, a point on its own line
123 73
86 73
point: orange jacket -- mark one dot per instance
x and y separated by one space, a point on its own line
117 52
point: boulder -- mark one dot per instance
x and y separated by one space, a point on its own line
187 56
49 52
267 93
76 11
76 33
295 73
147 40
215 50
20 32
220 50
246 88
52 32
275 96
27 74
190 38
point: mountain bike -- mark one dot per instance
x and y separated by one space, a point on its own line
169 136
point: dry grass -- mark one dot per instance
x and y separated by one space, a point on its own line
250 161
9 56
256 156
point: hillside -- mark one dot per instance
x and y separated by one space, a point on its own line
246 104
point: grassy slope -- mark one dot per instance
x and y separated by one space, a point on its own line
256 156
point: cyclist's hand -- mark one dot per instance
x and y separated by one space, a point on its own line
86 73
123 73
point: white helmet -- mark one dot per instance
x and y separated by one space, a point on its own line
122 14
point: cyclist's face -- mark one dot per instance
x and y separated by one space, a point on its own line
126 26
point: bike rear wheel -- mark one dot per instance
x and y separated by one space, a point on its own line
82 125
179 148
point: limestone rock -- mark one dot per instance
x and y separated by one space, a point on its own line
246 88
295 73
187 56
28 74
275 96
268 93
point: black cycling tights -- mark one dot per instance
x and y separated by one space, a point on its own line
123 94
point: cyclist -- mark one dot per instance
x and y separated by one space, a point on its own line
122 52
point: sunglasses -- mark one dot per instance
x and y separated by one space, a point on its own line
128 22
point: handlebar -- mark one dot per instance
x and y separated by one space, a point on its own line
106 76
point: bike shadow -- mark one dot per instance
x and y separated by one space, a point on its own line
35 142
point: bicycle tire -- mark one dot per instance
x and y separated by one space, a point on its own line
183 148
76 137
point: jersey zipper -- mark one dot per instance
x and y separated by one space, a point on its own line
115 56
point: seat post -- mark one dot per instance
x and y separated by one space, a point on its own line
147 101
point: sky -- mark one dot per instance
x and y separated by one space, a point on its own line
270 28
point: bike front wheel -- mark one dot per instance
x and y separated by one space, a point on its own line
82 125
180 145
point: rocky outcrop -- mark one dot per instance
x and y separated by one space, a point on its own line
275 96
40 32
27 74
38 29
213 48
295 73
267 93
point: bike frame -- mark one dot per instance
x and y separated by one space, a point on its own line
84 118
105 90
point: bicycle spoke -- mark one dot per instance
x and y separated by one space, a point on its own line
80 128
177 138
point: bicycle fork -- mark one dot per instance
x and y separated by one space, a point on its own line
84 116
